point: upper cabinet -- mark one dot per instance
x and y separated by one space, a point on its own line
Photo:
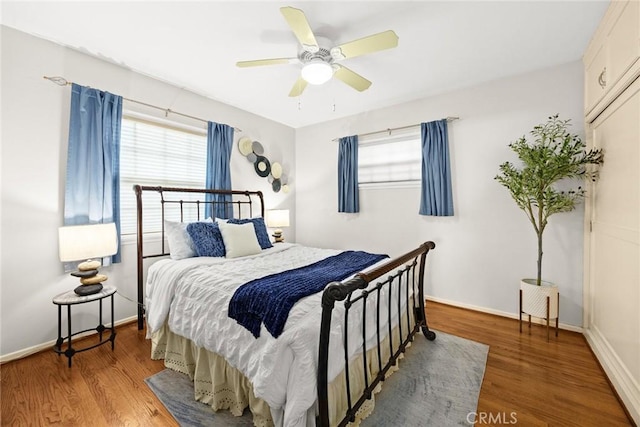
613 52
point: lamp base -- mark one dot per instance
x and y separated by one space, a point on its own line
86 273
277 236
89 265
84 290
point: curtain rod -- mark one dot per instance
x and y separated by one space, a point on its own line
389 130
61 81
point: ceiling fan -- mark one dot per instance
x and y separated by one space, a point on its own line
319 62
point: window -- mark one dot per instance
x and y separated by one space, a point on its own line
159 154
390 160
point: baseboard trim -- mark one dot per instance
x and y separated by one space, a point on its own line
625 385
564 326
49 345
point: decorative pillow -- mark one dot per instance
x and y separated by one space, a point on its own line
239 239
206 238
261 230
180 244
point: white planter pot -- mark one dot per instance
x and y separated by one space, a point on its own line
534 298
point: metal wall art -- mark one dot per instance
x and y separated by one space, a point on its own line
254 152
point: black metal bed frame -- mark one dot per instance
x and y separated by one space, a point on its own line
360 288
404 273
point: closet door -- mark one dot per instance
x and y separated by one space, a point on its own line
614 256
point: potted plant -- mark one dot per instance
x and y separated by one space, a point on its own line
554 155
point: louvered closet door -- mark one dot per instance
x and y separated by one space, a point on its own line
614 255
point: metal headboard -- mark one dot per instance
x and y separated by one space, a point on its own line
235 201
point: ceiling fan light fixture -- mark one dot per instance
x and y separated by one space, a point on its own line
317 72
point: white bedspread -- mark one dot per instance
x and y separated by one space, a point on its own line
194 293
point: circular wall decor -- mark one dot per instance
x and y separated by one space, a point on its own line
257 148
276 170
262 166
254 153
276 184
245 145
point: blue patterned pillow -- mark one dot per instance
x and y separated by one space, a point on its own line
206 238
261 230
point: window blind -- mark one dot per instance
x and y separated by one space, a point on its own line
158 155
392 158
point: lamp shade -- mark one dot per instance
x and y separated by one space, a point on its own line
277 218
317 72
82 242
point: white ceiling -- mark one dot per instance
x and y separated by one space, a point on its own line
442 45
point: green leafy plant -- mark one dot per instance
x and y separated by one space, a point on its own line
553 155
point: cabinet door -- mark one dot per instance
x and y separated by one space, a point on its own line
623 42
613 52
614 259
594 80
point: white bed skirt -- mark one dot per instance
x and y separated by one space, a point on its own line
223 387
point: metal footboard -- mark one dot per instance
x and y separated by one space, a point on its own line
403 276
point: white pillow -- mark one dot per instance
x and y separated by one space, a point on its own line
239 239
180 243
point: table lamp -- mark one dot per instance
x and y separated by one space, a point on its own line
83 242
277 218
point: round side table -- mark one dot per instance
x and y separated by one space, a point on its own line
70 298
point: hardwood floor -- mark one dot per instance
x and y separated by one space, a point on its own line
102 388
538 383
527 382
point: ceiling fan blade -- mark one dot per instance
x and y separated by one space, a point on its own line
301 28
352 78
381 41
298 87
260 62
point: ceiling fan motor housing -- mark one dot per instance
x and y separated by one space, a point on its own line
322 54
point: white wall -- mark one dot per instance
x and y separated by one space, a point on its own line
35 116
484 250
481 253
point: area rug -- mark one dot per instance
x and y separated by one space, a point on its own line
438 385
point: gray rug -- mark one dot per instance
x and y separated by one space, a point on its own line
438 384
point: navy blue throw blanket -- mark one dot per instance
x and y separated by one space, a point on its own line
269 299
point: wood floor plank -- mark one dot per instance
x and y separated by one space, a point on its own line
555 383
103 387
527 379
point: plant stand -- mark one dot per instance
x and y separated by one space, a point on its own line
539 301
